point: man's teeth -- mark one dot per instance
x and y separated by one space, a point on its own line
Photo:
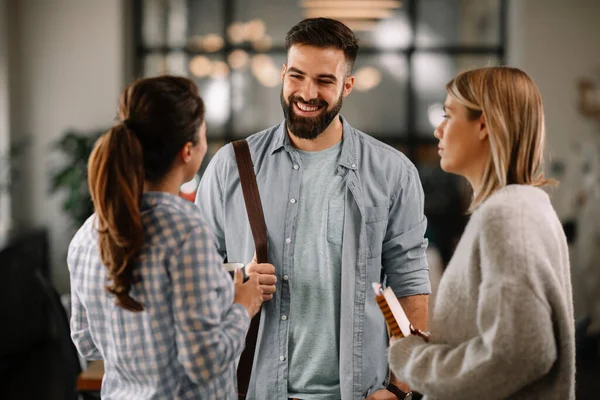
307 108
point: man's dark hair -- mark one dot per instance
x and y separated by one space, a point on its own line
324 32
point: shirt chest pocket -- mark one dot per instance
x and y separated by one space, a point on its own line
376 224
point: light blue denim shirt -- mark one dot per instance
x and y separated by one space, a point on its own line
383 240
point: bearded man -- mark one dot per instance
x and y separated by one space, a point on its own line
342 210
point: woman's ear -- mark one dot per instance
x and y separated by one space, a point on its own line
185 154
483 132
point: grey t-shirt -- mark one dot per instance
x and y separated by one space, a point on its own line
315 285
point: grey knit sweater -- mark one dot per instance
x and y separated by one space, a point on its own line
502 325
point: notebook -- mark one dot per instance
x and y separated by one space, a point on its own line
394 314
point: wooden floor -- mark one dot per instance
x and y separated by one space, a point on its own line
91 378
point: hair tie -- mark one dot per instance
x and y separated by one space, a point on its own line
127 124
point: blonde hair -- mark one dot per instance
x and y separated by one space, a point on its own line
512 109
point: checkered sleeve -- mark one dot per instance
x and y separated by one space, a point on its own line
210 328
80 333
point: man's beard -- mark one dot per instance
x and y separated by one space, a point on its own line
309 127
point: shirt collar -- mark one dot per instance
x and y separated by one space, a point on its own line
154 199
280 138
348 158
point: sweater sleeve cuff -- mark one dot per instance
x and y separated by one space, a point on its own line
399 355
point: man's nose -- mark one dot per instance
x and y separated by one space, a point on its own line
309 91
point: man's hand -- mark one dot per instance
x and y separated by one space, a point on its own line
382 395
266 277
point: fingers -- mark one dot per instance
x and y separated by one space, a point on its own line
253 279
268 289
266 279
267 269
238 276
265 274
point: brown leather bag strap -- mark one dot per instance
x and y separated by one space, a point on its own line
252 199
259 233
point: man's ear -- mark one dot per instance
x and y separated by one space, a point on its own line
348 85
283 69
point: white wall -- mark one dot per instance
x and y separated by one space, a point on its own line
68 68
557 42
5 216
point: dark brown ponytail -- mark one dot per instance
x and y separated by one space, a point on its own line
157 117
116 182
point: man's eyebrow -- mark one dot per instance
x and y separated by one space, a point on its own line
321 76
296 70
328 76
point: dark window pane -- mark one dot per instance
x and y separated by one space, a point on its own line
256 89
431 73
175 63
154 22
205 25
255 107
216 95
154 64
458 22
177 22
211 74
377 104
378 23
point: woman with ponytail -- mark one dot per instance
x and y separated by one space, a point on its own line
149 294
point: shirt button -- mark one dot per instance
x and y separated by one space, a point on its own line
353 165
288 240
284 317
296 166
292 201
285 277
281 358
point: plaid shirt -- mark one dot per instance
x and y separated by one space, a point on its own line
185 342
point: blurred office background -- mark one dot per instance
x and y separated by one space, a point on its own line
63 64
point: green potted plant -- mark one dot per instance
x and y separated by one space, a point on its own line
76 147
8 159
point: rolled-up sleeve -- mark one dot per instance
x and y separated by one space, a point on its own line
210 329
80 332
404 251
79 324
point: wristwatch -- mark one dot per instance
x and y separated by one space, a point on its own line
399 393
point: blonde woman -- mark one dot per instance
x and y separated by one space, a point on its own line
502 323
